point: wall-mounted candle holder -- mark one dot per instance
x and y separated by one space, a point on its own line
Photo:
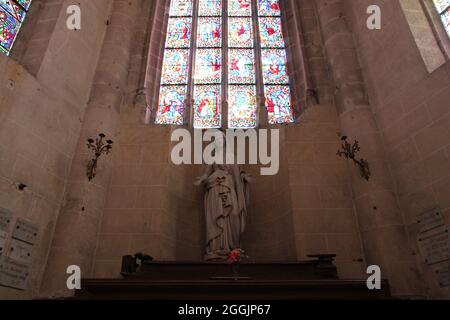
350 151
99 147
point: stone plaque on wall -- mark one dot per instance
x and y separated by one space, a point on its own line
3 239
435 246
13 274
5 219
20 251
25 231
444 276
433 237
430 220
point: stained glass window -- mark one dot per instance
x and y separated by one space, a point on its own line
274 63
12 15
443 8
240 32
238 50
207 102
176 64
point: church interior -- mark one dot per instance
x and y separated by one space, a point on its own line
93 205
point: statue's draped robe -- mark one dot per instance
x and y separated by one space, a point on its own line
225 209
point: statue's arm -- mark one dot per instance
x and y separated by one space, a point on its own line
246 177
200 180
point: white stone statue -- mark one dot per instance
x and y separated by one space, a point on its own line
226 202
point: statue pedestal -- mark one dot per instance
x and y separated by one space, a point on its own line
314 279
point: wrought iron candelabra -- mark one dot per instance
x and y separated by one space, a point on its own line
350 151
99 147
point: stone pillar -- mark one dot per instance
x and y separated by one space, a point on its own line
380 219
76 233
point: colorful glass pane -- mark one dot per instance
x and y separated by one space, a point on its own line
278 104
240 8
240 33
207 107
271 34
171 105
179 33
209 32
181 8
25 3
241 66
269 8
208 66
242 107
274 66
210 8
14 9
441 5
12 14
175 66
9 28
446 20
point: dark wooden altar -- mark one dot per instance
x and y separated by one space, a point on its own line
314 279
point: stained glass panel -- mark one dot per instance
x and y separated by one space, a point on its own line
240 33
171 105
242 107
278 104
446 20
271 34
14 9
441 5
9 28
179 33
209 32
175 66
181 8
269 8
207 107
241 66
274 66
210 8
241 8
25 3
208 66
207 87
12 14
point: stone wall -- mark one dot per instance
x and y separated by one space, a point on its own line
411 108
137 217
40 121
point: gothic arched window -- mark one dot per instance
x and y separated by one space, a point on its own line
224 50
12 15
443 8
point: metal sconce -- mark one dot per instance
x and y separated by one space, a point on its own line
99 147
349 151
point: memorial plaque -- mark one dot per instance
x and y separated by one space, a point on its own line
13 274
3 239
5 219
20 251
25 231
444 276
435 246
430 220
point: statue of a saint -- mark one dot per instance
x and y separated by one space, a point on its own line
226 201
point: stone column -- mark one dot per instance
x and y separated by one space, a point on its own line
76 233
380 219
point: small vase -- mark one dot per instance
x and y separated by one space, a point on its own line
235 268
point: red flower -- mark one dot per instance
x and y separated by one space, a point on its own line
235 256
